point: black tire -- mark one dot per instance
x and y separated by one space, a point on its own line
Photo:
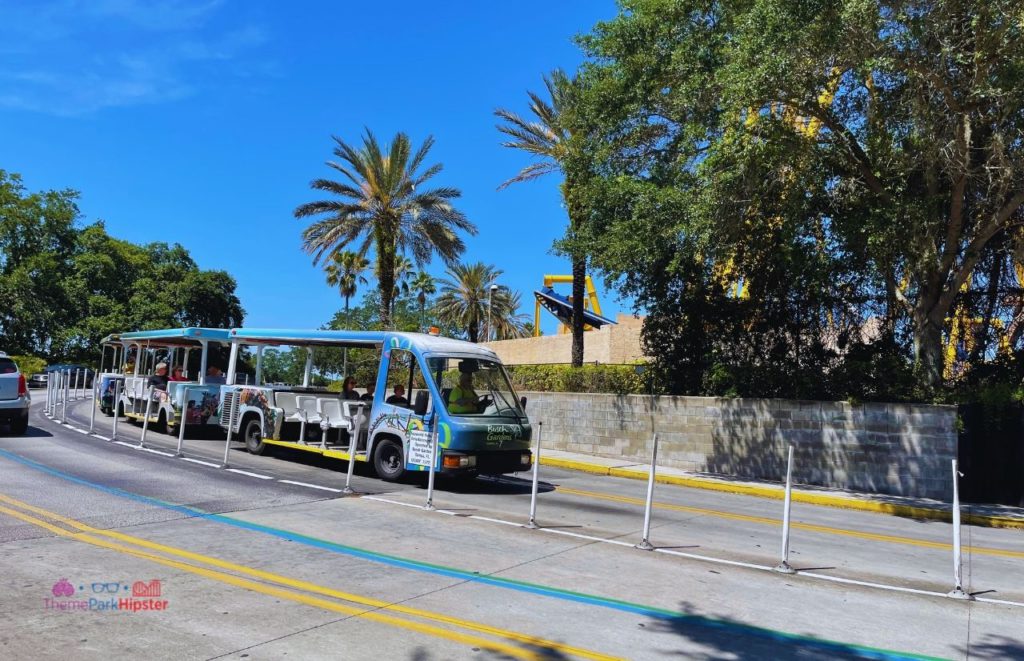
20 426
252 434
388 460
120 409
161 422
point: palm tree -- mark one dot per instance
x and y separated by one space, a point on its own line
424 286
509 323
403 272
464 297
549 139
382 201
345 271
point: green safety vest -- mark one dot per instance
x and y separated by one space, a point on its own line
457 394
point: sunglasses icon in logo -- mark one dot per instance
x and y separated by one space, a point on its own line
106 587
143 589
62 588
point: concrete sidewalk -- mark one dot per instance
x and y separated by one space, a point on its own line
995 516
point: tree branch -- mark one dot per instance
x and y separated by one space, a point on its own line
956 204
860 157
973 252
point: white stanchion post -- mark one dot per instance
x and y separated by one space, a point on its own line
181 423
117 408
433 467
353 438
64 409
231 430
958 591
79 384
536 473
92 411
145 419
645 543
46 404
783 566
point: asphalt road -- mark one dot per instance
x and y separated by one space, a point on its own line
273 560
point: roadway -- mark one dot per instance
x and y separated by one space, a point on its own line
273 559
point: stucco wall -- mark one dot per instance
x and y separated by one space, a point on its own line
897 449
613 344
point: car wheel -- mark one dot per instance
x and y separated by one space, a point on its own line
254 437
388 460
20 426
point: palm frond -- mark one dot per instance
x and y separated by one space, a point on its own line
532 171
336 187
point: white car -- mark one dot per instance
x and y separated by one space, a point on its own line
14 397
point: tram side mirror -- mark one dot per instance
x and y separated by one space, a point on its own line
522 402
422 402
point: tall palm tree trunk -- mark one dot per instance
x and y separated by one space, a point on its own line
579 276
386 275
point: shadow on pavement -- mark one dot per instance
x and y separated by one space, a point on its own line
994 647
31 432
712 637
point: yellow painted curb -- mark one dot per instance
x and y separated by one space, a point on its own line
826 500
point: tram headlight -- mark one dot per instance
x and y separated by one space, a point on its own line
459 461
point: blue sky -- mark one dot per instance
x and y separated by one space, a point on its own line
203 122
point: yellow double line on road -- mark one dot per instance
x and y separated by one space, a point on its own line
531 647
829 530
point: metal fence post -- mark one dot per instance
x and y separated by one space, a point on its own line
92 411
231 430
117 408
79 384
958 591
46 404
645 543
353 438
145 419
533 488
181 423
64 409
783 566
433 466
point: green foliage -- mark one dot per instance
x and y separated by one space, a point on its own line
65 287
856 166
548 138
466 299
345 271
618 379
384 201
29 365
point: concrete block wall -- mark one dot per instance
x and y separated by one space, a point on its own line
895 449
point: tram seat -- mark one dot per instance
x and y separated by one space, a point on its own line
308 409
330 411
286 402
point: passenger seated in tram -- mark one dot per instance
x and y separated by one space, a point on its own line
177 375
159 379
398 398
348 389
215 376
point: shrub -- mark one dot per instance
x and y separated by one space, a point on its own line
617 379
29 365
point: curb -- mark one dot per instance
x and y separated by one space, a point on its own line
894 509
